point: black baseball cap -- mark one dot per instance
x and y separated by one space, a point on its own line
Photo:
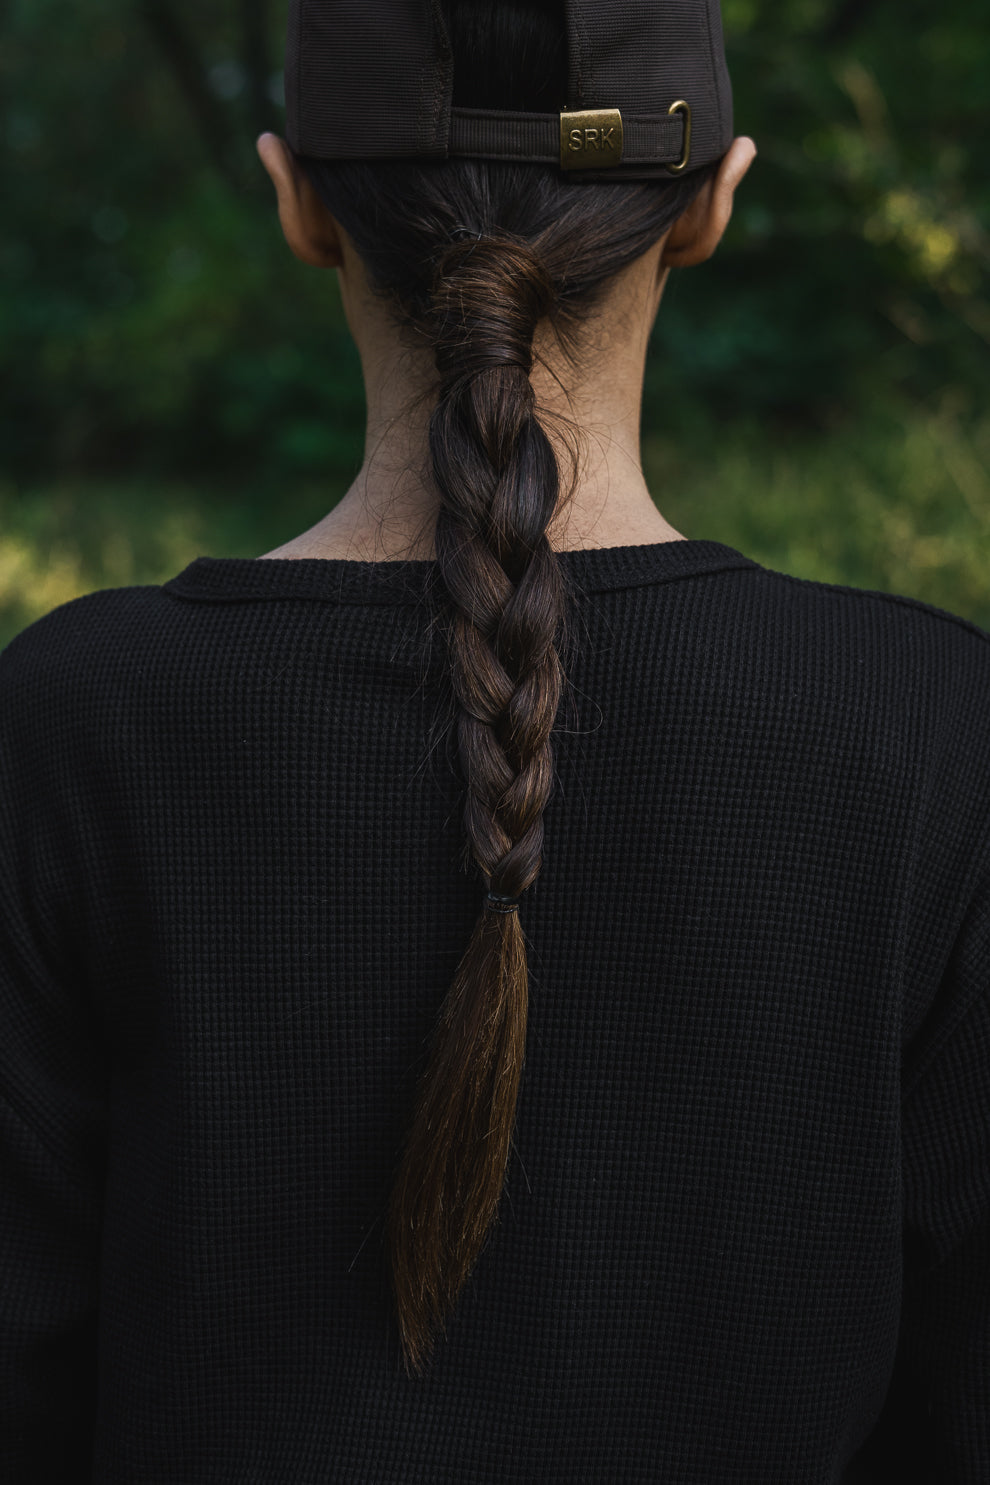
648 90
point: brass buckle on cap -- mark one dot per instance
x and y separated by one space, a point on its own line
590 139
685 108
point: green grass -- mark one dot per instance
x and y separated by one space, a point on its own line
59 541
900 504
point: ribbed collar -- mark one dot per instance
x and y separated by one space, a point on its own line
336 580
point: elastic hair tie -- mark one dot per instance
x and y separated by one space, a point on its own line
500 902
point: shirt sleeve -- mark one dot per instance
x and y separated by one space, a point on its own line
53 1099
935 1425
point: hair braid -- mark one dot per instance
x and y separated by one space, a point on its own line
498 480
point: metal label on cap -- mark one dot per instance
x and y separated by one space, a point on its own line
590 139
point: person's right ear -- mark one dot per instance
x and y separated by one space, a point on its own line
697 233
310 230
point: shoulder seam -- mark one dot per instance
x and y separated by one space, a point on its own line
73 605
903 599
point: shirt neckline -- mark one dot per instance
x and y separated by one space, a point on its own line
343 580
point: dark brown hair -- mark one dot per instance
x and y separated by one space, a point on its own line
471 256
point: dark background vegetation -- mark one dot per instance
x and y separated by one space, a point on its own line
174 382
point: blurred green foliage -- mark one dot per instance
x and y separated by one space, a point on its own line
174 381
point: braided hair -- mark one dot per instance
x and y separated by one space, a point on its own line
471 257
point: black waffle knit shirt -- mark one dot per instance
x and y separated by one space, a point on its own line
745 1233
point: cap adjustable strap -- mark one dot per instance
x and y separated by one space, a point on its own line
377 82
590 139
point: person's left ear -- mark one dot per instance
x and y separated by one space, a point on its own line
310 230
697 233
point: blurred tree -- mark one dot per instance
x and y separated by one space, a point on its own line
153 321
858 263
168 28
152 317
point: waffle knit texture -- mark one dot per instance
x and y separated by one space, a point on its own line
745 1238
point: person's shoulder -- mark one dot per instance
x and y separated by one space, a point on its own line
894 616
910 672
55 672
81 633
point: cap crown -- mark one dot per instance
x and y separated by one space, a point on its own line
373 79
